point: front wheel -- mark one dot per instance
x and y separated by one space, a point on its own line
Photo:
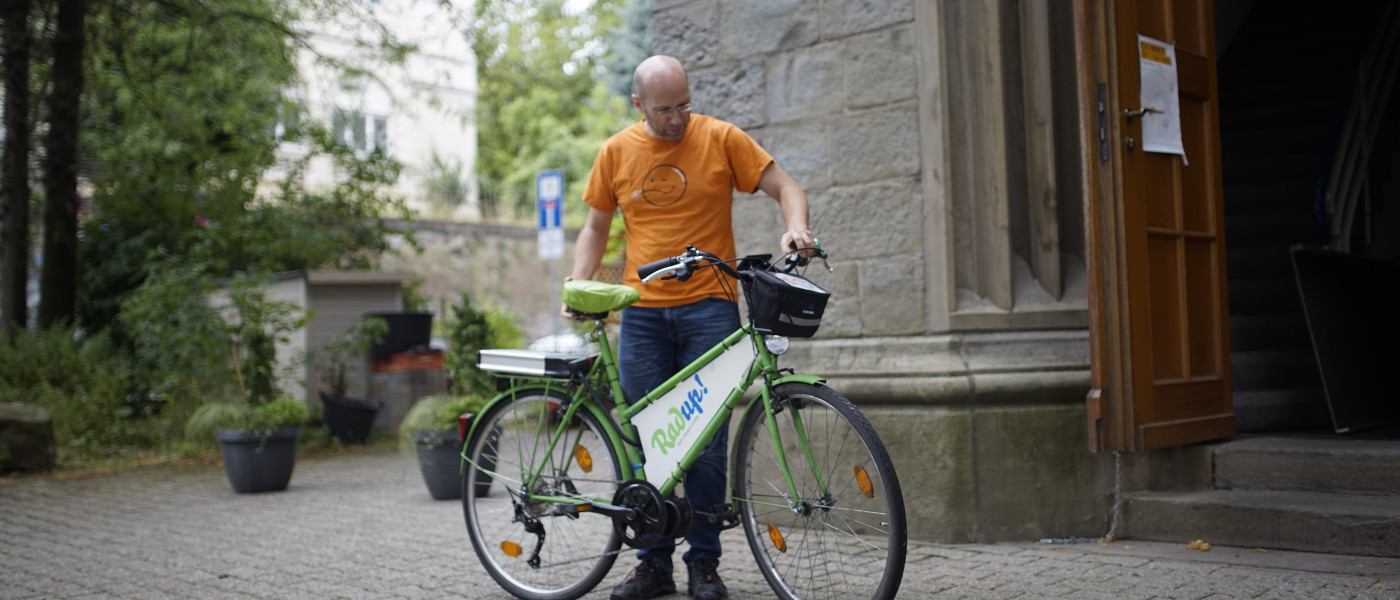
531 472
843 535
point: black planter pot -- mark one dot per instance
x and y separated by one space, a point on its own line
440 460
259 462
407 330
349 420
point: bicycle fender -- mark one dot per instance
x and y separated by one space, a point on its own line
505 396
793 378
799 378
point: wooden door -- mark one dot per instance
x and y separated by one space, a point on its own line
1161 360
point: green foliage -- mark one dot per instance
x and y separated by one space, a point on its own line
413 298
438 412
282 412
181 125
446 184
178 125
468 330
178 340
334 358
84 383
506 331
184 108
257 326
541 103
628 45
208 419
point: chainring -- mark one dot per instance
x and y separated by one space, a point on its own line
646 519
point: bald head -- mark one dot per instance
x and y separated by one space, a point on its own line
661 92
658 71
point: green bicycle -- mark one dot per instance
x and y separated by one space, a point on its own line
558 475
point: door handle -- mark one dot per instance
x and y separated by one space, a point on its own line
1133 113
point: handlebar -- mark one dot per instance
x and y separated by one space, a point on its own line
682 267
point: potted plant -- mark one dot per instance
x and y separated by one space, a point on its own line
255 423
258 443
431 428
348 420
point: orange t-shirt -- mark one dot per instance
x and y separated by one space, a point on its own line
673 194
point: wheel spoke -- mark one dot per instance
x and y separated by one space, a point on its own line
840 542
575 549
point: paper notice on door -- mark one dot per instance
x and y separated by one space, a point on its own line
1161 106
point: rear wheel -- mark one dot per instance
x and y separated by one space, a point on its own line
844 539
535 548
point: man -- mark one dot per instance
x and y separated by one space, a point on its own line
673 176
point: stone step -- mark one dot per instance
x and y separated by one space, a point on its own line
1281 410
1279 228
1303 521
1329 464
1283 331
1262 167
1293 193
1259 262
1273 295
1274 369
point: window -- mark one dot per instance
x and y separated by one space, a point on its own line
359 131
288 126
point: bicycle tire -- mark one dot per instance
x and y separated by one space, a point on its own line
852 545
578 549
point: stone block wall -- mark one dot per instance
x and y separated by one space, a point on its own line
986 426
831 90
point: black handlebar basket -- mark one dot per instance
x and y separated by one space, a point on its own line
784 304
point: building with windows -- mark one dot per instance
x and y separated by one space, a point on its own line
419 110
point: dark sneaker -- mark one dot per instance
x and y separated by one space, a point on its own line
648 580
704 581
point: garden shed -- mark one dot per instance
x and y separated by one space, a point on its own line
334 301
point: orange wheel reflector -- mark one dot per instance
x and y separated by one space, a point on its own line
863 479
585 460
511 549
777 537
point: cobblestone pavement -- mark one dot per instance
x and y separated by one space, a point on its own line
363 526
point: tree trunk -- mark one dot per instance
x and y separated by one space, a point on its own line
58 277
14 178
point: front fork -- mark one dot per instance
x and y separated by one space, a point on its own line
796 502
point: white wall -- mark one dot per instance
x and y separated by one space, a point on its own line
427 103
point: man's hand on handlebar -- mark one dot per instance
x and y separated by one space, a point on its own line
799 239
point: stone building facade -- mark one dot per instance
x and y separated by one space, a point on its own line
926 135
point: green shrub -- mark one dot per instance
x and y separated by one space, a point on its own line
439 412
468 330
334 359
88 386
210 417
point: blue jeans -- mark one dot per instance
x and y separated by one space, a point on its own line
654 344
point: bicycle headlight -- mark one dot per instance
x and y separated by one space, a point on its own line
777 344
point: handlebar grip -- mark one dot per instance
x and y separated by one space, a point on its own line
646 270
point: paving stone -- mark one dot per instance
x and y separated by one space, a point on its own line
357 526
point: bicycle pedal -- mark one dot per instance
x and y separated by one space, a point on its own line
723 516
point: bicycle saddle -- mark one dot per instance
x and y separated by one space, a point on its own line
598 298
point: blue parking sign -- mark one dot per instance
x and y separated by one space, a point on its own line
549 198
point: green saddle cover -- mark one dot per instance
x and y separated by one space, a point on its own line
595 297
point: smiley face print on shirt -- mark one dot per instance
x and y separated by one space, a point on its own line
664 185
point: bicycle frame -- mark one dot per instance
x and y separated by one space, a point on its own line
623 435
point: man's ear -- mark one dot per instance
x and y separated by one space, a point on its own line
637 102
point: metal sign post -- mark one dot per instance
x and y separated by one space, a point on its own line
549 200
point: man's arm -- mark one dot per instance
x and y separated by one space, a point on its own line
793 202
588 251
592 242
